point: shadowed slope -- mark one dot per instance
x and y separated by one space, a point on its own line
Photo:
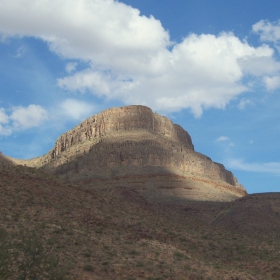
254 214
134 141
5 161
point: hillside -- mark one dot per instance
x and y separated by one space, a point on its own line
253 214
116 234
124 195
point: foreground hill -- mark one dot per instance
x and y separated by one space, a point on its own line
253 214
51 228
124 195
145 151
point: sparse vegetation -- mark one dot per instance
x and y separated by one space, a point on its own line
71 230
88 267
25 257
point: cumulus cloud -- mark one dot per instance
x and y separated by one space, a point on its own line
21 118
272 83
5 131
201 72
244 102
222 139
132 59
31 116
4 118
76 109
71 66
240 164
268 31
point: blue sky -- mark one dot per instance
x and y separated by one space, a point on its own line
211 66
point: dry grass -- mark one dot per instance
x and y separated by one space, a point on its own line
114 233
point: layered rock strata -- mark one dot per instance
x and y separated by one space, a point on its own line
124 119
129 140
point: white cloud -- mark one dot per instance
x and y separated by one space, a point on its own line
5 131
98 82
222 139
244 102
272 83
20 52
4 118
76 109
71 66
240 164
131 56
268 31
21 118
31 116
201 72
260 65
85 29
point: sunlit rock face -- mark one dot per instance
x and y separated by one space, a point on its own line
130 140
119 121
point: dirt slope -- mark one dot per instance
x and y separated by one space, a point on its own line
115 233
253 214
135 144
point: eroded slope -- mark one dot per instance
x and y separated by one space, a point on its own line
134 141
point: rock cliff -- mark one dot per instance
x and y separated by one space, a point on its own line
119 120
127 141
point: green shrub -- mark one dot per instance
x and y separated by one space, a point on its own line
88 267
28 258
4 255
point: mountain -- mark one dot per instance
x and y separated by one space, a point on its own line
124 195
253 214
6 161
135 146
51 228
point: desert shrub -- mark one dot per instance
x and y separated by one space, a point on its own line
133 252
88 267
180 256
139 264
27 258
195 276
4 255
87 254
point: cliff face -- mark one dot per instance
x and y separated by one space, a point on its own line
130 140
121 120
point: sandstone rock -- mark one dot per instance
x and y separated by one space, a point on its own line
127 141
119 120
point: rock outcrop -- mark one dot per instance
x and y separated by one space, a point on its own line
133 146
118 120
129 141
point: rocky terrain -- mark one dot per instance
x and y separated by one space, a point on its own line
51 228
133 143
254 214
124 195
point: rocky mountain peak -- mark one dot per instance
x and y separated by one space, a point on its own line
134 143
122 121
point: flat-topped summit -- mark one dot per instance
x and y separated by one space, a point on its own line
134 143
120 121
